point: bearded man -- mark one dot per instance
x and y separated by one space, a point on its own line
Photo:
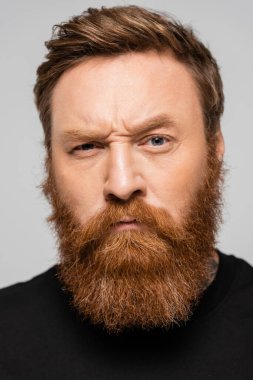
130 102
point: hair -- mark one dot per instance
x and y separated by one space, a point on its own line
120 30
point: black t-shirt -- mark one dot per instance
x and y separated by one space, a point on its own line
43 337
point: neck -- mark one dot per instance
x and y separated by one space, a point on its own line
214 264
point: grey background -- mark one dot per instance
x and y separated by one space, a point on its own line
27 245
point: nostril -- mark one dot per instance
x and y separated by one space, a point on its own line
123 199
137 192
114 198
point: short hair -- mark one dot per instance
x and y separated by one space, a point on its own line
120 30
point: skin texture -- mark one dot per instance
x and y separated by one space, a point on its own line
111 99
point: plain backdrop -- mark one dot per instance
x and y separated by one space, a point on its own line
27 244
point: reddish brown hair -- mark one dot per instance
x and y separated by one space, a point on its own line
118 30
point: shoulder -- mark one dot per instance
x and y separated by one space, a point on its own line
240 294
243 271
34 316
25 297
30 313
28 286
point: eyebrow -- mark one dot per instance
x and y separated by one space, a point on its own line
159 121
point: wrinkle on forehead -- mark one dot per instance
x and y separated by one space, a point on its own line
118 93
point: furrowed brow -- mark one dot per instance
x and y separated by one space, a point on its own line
75 135
159 121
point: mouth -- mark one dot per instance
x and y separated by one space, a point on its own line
126 223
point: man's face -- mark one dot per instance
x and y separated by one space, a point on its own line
135 189
124 126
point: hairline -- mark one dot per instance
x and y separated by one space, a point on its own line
164 50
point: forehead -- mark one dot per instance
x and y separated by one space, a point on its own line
124 90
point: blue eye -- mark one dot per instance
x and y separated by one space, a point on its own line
158 140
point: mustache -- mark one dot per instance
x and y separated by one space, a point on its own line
158 223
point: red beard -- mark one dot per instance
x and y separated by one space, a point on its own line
143 278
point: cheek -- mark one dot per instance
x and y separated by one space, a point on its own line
178 179
79 189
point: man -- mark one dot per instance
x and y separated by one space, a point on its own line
130 102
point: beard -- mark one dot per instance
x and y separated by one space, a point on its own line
152 277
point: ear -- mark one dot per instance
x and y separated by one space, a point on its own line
220 145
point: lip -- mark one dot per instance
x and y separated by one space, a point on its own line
121 226
127 219
126 223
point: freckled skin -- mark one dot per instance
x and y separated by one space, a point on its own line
115 96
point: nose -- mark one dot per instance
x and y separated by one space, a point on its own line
124 178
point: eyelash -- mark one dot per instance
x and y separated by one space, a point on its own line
97 145
158 136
